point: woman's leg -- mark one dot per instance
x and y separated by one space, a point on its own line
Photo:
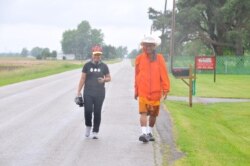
88 109
97 112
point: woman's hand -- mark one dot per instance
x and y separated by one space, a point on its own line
101 80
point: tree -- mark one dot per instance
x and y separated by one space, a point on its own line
54 54
161 22
219 24
36 51
45 53
24 52
133 53
96 37
69 42
109 52
80 40
121 51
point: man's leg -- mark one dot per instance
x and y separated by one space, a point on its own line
152 119
143 121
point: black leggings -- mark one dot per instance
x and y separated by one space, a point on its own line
93 104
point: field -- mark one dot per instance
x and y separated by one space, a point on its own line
212 134
14 70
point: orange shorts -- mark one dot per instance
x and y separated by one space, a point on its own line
150 110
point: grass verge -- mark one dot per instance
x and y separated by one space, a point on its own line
226 86
13 71
213 134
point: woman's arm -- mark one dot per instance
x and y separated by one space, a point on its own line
81 83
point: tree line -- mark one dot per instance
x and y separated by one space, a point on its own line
39 53
79 42
211 27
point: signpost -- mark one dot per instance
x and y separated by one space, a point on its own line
185 73
205 63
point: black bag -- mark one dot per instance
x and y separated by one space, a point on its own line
79 101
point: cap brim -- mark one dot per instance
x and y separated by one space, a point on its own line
97 52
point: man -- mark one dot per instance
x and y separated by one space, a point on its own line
151 84
95 74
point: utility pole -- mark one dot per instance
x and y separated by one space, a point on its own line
172 35
164 27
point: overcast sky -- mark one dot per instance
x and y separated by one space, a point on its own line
31 23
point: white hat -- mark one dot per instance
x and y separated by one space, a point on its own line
151 39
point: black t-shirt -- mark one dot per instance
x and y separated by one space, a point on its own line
93 71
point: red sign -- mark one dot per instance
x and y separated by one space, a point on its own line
205 62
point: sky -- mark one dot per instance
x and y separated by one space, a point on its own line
31 23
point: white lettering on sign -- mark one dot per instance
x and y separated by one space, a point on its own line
205 63
205 60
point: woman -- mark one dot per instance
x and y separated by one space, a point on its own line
95 74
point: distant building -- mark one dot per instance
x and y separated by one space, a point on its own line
31 57
62 56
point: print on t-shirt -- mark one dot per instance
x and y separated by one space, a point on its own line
95 70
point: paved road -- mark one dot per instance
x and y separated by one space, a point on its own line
41 125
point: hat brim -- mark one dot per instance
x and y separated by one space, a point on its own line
156 44
149 43
97 52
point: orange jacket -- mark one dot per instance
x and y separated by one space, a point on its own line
151 78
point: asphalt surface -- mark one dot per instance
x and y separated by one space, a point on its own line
41 125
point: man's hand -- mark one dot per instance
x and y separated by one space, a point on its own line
165 95
135 96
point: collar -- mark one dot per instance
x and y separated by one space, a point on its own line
96 63
150 58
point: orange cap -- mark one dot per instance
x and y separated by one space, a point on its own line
96 50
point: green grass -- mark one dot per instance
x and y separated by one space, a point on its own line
14 71
226 86
213 134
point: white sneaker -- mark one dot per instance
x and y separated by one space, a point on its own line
95 135
88 130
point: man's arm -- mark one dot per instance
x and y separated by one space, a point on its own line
165 82
136 78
